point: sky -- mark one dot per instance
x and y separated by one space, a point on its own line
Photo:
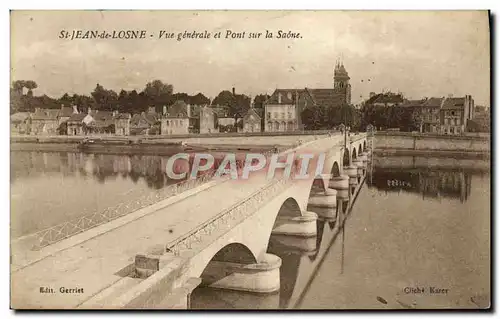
418 53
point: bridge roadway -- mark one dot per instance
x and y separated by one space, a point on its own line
91 259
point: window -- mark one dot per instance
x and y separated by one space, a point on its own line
268 115
453 113
289 115
282 115
180 122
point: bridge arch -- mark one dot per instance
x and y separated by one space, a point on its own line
335 172
290 207
230 253
346 157
364 145
354 153
360 150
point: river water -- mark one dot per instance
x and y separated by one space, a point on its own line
49 188
418 236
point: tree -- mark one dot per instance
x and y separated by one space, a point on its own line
104 99
259 100
30 85
158 93
313 117
199 99
224 98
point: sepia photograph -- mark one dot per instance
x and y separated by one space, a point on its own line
250 160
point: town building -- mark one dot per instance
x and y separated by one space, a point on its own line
122 124
75 125
20 123
176 119
282 111
252 121
207 119
454 113
44 122
385 99
430 115
65 113
145 123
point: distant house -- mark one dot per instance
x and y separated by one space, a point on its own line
65 113
207 120
75 125
455 112
176 119
122 124
44 122
20 123
102 122
252 121
385 99
146 123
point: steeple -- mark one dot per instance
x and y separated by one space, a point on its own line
341 81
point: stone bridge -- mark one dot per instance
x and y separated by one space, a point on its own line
215 235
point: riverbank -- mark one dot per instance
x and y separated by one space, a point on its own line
156 145
432 145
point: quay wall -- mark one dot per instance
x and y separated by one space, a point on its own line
399 143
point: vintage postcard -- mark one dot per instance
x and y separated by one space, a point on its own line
250 160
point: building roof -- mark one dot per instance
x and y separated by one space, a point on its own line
288 96
177 110
386 98
257 112
340 71
65 111
19 117
45 114
325 97
102 118
454 103
434 102
413 103
77 117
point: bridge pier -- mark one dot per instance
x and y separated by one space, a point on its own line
360 168
261 277
303 226
324 201
294 244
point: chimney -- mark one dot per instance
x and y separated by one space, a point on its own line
164 109
188 107
75 109
234 91
279 98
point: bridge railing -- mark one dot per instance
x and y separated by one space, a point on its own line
236 213
67 229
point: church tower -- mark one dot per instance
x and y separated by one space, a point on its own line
341 84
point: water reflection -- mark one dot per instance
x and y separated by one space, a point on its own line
430 183
101 167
